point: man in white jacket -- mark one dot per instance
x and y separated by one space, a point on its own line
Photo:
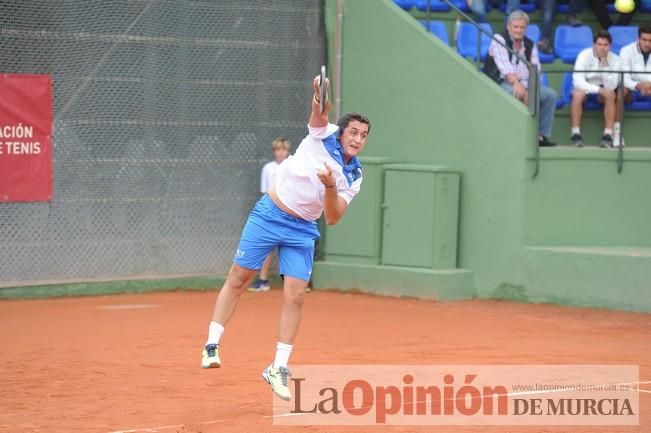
635 58
595 76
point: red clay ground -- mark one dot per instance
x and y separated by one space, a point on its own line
131 362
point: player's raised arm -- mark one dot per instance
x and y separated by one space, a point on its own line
319 118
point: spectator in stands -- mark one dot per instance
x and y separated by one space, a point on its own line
280 149
547 11
635 57
594 78
478 7
512 74
575 7
511 6
600 9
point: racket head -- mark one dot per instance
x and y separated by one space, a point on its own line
322 88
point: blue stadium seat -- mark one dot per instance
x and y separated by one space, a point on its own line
461 4
545 82
592 102
622 35
645 6
467 40
405 4
570 41
533 33
434 5
640 103
438 29
562 8
527 6
566 90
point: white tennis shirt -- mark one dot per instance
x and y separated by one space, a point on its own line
297 184
601 71
268 176
633 60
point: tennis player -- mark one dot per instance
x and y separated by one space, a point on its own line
322 177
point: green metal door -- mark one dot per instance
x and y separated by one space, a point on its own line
408 214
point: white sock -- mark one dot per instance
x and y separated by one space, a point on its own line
616 128
215 331
282 354
576 131
608 131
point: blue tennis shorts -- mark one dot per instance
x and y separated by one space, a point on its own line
269 227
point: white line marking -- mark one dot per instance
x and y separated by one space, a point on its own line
148 429
165 427
282 415
127 306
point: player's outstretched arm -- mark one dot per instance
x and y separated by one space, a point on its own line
317 118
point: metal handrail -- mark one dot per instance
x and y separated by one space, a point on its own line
534 77
620 102
533 91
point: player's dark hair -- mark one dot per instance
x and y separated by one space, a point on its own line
644 28
344 120
603 34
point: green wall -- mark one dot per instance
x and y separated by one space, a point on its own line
580 198
429 106
576 234
91 288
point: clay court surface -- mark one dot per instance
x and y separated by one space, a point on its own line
130 363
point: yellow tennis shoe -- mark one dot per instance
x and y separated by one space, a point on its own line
277 377
210 356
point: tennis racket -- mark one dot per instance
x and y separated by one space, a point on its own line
323 89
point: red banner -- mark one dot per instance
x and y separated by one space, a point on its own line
25 138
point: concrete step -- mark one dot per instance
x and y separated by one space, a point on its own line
440 285
603 277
